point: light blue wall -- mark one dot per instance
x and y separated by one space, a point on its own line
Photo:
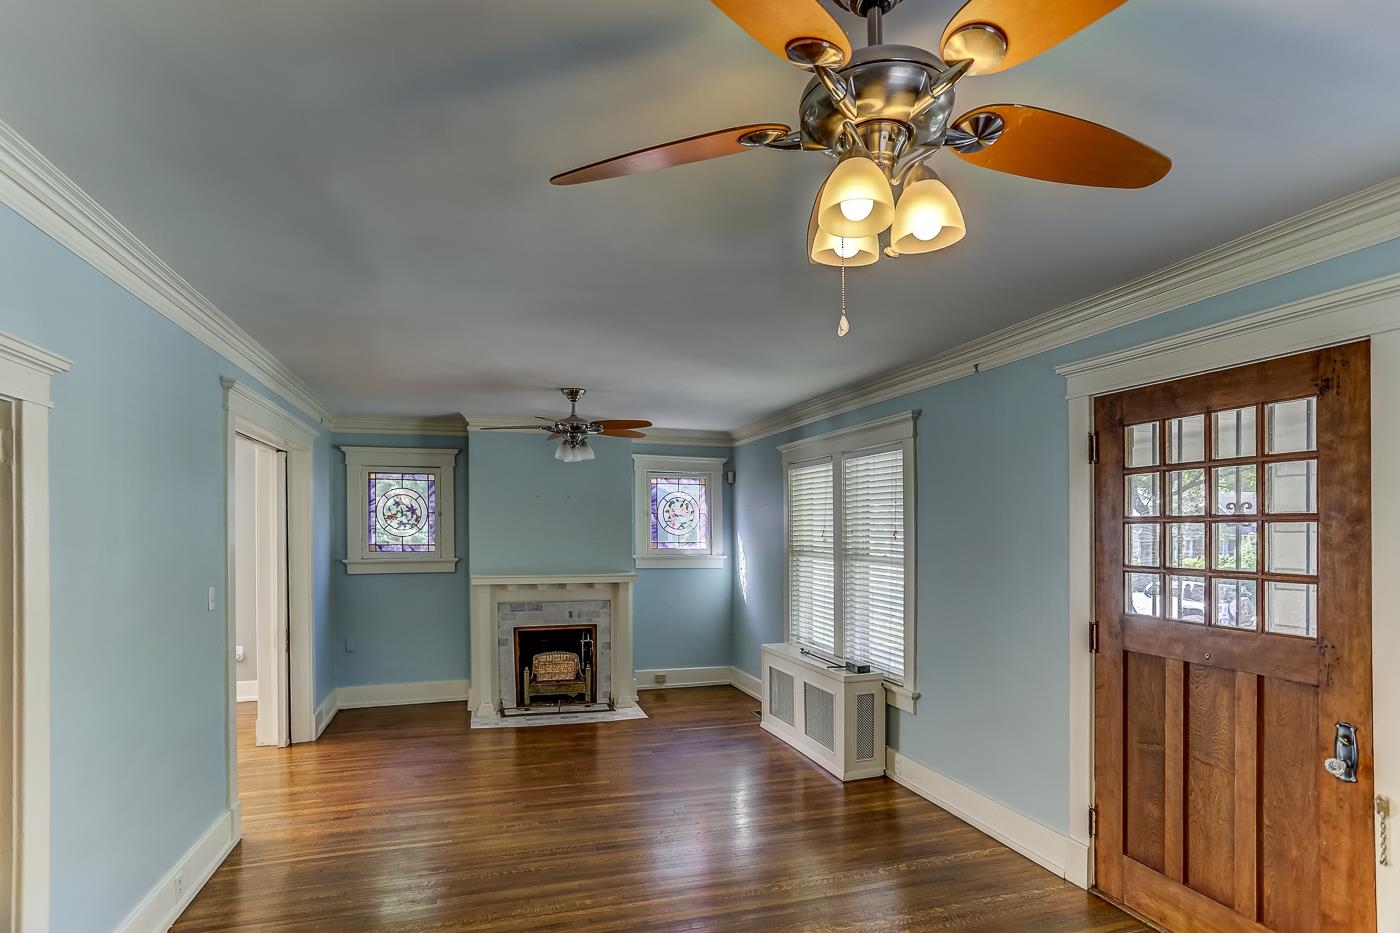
404 627
993 519
531 513
681 617
139 699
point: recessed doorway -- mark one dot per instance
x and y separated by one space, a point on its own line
260 586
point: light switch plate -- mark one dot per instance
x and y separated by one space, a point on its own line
211 599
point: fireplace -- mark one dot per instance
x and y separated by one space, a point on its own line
556 665
506 605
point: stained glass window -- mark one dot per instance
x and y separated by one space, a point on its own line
680 513
402 512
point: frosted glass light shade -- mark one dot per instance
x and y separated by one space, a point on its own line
583 452
928 218
827 249
858 180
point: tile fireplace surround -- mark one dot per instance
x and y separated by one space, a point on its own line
489 679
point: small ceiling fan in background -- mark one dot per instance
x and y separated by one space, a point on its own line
886 110
573 431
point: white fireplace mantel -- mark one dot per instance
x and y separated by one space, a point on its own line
488 592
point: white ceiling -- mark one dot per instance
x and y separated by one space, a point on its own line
362 184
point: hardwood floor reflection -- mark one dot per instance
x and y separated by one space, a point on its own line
694 819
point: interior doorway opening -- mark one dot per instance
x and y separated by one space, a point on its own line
261 643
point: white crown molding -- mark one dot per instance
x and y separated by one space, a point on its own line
31 356
43 195
1365 309
429 426
1343 226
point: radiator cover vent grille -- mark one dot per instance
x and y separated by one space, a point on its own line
780 699
819 713
865 727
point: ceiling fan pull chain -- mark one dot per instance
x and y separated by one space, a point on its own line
843 326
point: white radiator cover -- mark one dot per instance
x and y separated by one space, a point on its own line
834 718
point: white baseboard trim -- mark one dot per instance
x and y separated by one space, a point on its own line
682 677
160 908
746 682
246 690
326 712
1051 850
427 691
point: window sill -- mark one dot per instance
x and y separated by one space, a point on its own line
697 562
394 565
900 697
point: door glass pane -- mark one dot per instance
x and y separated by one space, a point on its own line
1292 486
1186 492
1291 608
1143 496
1292 547
1143 594
1234 433
1291 426
1186 545
1186 598
1141 547
1235 603
1237 546
1236 490
1186 439
1140 445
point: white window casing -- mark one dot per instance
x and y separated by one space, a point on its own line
850 537
440 462
711 469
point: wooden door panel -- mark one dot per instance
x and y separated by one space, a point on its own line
1288 808
1214 713
1210 783
1145 759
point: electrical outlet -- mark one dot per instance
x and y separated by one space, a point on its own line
658 678
238 654
179 885
211 599
899 767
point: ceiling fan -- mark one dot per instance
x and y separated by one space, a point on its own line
573 431
885 110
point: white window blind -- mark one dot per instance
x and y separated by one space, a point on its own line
872 520
812 556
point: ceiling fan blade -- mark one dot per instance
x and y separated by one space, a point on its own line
1025 27
1053 146
799 31
517 427
621 423
679 152
620 432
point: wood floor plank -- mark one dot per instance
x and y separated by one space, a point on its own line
693 819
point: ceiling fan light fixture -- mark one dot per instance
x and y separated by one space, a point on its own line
928 217
828 250
856 200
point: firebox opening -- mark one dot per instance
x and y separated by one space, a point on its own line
556 664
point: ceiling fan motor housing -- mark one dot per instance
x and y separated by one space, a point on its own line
888 83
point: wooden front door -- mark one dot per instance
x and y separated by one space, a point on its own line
1233 597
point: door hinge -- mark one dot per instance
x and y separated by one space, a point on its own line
1093 822
1093 638
1093 446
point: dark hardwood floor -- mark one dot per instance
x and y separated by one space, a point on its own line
695 819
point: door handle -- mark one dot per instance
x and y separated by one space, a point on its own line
1342 765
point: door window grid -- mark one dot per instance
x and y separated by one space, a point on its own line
1199 497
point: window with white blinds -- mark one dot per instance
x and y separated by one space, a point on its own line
872 507
811 556
850 554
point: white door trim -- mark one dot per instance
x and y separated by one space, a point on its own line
252 414
1367 309
25 372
